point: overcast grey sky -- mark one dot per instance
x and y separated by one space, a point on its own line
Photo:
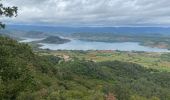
92 12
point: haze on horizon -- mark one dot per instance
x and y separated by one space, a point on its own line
91 12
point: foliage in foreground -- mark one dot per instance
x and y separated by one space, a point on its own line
26 76
7 12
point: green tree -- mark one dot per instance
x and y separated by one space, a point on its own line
7 12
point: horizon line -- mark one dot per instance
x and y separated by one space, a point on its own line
90 26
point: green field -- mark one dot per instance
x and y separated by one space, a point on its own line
150 60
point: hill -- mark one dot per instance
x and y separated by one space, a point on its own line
18 34
54 40
25 75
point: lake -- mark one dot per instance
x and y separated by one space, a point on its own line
88 45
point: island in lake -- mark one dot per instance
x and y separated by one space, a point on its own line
54 40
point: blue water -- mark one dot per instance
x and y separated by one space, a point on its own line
88 45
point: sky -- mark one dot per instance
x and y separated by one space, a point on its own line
91 12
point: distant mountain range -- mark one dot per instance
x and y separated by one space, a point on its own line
120 30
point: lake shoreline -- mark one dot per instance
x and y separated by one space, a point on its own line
92 45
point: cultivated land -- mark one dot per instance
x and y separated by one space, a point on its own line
160 61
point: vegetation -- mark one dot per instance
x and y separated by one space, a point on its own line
25 75
159 61
54 40
7 12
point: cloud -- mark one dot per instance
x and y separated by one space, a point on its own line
92 12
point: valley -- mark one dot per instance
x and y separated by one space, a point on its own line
81 75
83 66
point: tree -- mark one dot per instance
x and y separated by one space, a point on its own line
7 12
